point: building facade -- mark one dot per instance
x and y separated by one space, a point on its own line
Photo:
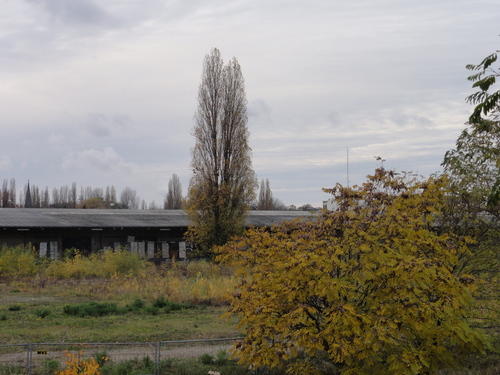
153 234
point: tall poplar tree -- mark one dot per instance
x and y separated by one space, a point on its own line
223 183
173 200
266 201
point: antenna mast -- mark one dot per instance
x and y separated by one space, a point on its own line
347 151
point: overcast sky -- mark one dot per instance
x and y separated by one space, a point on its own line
104 92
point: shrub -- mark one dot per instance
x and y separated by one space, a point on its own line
91 309
123 263
75 267
123 368
173 306
11 369
42 313
202 268
147 364
137 304
15 308
101 264
101 358
76 365
50 366
152 310
160 302
206 359
221 358
18 261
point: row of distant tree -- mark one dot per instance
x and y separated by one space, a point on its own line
72 196
67 196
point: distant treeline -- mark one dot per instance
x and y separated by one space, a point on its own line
33 196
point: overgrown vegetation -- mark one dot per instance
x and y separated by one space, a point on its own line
181 300
101 364
115 276
124 303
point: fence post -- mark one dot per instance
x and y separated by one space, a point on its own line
29 358
157 359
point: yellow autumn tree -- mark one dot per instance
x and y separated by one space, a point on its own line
370 288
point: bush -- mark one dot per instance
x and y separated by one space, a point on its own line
152 310
92 309
160 302
137 304
11 369
101 358
42 313
202 268
15 308
173 306
147 364
123 368
222 358
206 359
50 366
123 263
77 365
76 267
105 264
18 261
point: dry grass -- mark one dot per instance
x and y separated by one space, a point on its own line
120 276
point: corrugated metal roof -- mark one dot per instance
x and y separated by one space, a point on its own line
87 218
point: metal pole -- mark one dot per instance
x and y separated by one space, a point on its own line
157 359
29 358
347 167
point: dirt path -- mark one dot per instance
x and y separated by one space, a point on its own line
19 356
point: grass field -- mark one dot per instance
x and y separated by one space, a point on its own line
27 318
182 302
88 300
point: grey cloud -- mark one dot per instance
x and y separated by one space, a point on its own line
97 125
75 12
334 118
403 120
101 125
57 138
259 108
5 163
106 160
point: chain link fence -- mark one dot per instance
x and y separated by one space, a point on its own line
33 357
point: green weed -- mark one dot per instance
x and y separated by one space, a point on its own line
152 310
11 370
137 304
221 358
160 302
50 366
42 313
206 359
93 309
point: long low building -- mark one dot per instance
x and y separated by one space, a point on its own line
150 233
